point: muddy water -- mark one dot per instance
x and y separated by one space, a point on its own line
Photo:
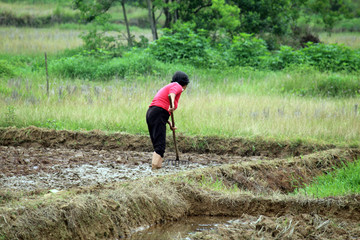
182 229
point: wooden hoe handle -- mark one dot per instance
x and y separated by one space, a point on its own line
173 124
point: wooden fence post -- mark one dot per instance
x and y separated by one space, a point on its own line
47 76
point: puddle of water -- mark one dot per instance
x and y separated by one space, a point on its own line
181 229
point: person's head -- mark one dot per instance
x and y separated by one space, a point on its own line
181 78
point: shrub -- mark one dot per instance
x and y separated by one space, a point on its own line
93 68
247 50
6 69
181 45
285 57
332 57
77 66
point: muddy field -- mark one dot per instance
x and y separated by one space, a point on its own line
61 168
69 185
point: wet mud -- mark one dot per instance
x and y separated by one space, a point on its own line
33 168
98 186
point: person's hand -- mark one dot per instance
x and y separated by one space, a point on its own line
171 109
173 128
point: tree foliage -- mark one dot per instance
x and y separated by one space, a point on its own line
330 11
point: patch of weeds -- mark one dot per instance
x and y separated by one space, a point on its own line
295 182
217 185
253 148
201 145
53 124
10 116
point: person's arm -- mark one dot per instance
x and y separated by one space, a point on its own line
172 97
171 127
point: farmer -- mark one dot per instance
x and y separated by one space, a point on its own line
158 114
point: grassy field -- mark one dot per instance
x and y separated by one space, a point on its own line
351 39
214 104
36 41
38 9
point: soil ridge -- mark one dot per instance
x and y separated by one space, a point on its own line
39 137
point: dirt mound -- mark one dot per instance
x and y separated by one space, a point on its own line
116 211
37 137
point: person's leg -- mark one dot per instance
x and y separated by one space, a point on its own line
156 119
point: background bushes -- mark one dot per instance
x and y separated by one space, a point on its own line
332 57
246 50
181 45
96 68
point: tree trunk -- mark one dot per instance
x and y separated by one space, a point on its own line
151 19
127 24
167 16
176 13
154 21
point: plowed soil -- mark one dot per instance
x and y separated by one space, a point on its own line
29 168
36 160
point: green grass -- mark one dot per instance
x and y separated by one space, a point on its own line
342 181
217 185
216 103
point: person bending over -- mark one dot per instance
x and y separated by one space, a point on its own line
159 112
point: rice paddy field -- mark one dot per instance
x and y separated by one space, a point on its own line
76 156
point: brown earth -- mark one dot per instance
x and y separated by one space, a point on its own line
106 190
36 137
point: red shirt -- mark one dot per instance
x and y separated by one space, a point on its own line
161 98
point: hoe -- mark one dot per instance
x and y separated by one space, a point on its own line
177 161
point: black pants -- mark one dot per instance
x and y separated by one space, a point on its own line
156 119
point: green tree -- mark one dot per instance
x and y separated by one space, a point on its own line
330 11
95 10
270 16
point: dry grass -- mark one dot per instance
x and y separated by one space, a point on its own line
350 39
22 41
271 116
22 9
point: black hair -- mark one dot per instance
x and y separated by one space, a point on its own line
181 78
